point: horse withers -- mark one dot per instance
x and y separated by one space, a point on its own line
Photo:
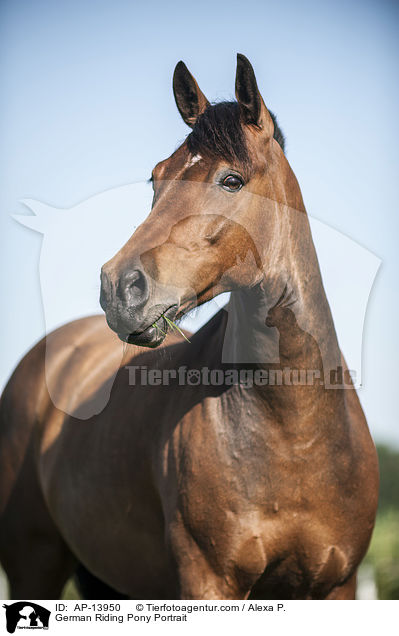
195 484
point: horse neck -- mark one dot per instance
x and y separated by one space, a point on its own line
303 339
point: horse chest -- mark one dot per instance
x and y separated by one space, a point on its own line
269 513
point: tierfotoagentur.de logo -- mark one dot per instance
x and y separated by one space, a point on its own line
26 615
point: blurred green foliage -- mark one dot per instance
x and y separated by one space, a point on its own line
389 478
70 591
383 554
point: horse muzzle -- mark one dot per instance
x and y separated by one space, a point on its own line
126 303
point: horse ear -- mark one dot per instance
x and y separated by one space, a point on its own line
252 106
190 100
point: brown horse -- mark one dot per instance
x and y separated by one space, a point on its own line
191 483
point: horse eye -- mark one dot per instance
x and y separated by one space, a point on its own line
232 182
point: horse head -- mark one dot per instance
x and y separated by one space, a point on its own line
201 237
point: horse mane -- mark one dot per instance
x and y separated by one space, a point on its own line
218 132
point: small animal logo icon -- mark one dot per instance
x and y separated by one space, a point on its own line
26 615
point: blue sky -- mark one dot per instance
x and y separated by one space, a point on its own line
87 106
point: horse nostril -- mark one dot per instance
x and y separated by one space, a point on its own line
105 292
133 287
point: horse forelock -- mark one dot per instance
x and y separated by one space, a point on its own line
219 132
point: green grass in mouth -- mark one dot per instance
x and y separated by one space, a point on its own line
171 324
